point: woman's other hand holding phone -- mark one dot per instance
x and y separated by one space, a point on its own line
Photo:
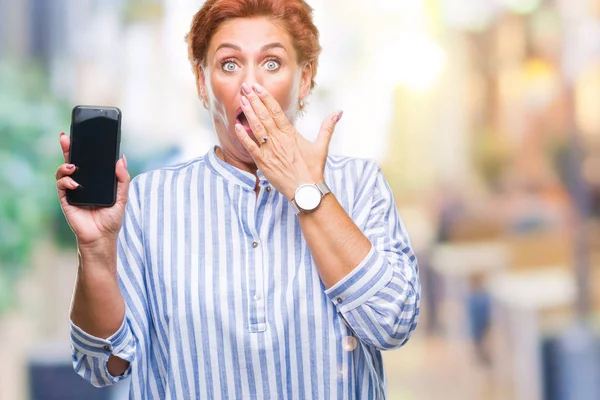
93 226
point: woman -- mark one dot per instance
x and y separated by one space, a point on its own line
238 275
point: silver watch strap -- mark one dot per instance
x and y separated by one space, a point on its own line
295 206
322 186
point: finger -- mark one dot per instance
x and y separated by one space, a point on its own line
327 129
260 110
258 129
65 143
247 142
275 110
65 183
65 170
123 179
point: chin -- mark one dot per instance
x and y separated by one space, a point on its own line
247 157
243 154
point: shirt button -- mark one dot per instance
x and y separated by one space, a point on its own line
339 299
106 347
268 189
255 244
257 297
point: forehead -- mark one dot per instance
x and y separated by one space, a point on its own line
250 34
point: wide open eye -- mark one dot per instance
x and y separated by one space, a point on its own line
229 66
272 65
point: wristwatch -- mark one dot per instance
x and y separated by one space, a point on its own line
308 197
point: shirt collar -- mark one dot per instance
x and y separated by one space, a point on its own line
230 173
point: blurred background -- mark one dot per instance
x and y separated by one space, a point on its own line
484 115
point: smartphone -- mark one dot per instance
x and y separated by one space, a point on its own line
95 141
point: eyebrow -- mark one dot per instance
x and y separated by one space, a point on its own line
238 48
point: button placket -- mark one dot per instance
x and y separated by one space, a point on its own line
258 290
255 283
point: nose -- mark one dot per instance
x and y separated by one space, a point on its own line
251 77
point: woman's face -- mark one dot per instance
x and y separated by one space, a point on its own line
250 50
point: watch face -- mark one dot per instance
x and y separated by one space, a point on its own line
308 197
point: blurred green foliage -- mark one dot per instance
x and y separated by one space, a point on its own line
30 122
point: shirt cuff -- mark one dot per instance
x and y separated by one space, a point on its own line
369 277
120 344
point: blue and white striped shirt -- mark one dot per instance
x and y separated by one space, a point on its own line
224 301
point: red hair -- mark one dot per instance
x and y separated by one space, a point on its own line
295 16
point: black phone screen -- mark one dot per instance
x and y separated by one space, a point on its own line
95 138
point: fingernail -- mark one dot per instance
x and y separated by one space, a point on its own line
73 183
339 116
124 161
246 88
245 101
258 89
70 166
61 134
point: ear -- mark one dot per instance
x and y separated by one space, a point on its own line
201 81
201 86
305 81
